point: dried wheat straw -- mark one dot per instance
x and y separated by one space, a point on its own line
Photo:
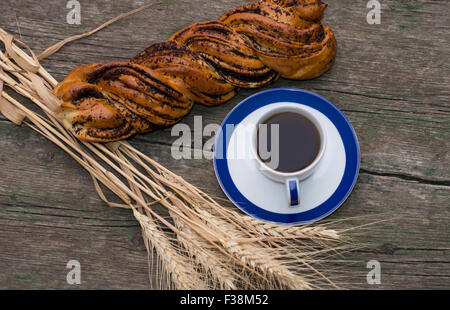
179 267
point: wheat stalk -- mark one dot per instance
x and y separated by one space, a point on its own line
204 254
260 257
308 232
272 270
179 267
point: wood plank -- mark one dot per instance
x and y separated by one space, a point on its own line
37 244
415 241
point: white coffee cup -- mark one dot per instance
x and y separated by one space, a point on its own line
291 179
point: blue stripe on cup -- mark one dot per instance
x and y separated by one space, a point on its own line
293 193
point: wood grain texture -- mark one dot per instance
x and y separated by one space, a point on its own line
391 80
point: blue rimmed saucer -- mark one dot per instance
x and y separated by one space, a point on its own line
321 194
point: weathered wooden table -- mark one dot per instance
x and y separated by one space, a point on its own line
391 80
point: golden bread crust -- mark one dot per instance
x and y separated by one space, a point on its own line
206 63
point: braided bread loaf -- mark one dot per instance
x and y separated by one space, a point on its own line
248 47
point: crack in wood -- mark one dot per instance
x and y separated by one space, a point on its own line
359 94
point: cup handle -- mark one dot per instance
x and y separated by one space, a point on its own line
293 191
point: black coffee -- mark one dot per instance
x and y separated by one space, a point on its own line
299 142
